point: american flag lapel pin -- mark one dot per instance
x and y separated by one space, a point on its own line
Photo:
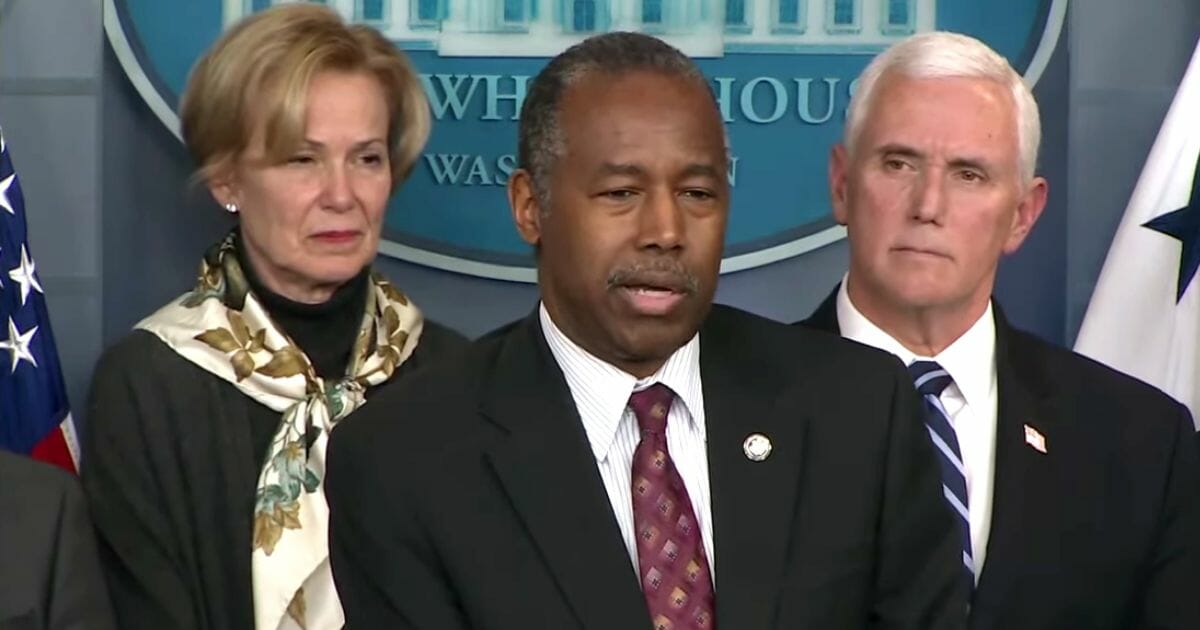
1034 438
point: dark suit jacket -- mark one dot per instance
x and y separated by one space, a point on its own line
468 497
1101 531
49 575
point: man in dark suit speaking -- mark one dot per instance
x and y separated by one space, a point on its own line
629 456
1075 488
50 576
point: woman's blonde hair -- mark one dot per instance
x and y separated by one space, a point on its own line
258 73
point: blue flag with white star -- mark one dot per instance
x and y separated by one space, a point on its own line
34 416
1144 317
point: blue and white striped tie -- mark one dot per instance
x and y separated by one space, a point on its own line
930 379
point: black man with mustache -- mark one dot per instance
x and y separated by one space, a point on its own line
630 456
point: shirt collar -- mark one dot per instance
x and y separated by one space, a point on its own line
601 390
970 360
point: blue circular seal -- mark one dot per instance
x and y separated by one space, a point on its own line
782 71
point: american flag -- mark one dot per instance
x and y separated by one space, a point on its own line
35 418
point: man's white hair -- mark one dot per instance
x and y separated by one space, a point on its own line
941 54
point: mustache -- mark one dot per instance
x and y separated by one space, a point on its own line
666 273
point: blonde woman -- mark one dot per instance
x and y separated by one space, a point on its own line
208 424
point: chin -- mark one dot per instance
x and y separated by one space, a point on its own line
656 344
921 299
335 274
339 265
908 287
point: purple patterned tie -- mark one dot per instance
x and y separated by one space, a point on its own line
671 562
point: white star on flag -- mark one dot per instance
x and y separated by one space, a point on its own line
23 274
18 344
35 415
5 184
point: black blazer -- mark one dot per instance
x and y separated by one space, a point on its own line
468 497
171 460
49 575
1102 530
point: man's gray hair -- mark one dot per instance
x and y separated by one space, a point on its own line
942 55
540 138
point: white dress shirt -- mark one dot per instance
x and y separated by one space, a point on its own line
971 401
601 392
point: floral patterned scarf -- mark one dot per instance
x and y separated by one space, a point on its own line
221 327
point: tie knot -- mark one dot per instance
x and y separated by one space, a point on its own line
651 407
929 377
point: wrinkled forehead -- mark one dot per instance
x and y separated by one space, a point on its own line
969 111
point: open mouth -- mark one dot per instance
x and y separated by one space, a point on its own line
655 288
653 293
651 300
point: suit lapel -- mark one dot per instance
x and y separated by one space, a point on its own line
549 473
753 503
1023 483
825 317
1023 478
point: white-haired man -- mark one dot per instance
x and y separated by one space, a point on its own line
1076 488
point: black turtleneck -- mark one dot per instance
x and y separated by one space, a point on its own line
324 332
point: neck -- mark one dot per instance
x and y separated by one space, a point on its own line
299 290
924 330
324 331
637 367
640 369
303 297
313 295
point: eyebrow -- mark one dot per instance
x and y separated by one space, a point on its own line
613 168
356 146
899 149
701 170
633 170
977 164
904 150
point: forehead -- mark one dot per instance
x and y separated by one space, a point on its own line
608 114
346 94
334 102
973 113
